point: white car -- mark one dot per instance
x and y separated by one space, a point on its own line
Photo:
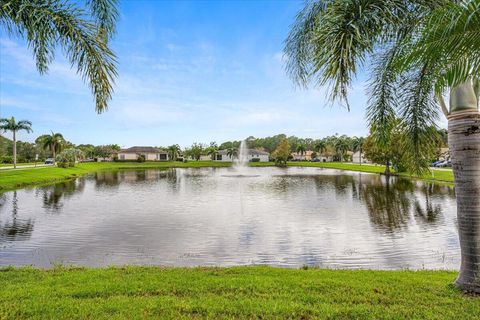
49 161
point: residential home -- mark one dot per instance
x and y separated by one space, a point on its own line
356 158
150 154
306 156
252 154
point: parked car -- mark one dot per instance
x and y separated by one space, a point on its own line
446 163
434 164
316 160
49 161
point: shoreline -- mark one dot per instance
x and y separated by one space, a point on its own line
13 179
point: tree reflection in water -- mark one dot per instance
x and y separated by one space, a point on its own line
16 229
388 201
53 196
391 200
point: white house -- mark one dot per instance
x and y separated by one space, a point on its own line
356 158
252 154
150 154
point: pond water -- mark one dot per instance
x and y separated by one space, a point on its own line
185 217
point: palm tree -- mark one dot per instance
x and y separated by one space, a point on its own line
341 147
14 126
212 151
81 32
357 145
301 150
173 151
232 152
321 146
53 142
421 50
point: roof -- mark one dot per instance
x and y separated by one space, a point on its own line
139 149
250 152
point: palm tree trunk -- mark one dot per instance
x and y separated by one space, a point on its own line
464 144
14 149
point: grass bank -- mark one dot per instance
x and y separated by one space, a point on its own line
14 179
233 293
442 175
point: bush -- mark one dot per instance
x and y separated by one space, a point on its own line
255 160
6 159
67 158
141 158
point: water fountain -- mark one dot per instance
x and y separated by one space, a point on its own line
240 164
242 156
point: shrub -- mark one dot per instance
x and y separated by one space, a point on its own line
255 160
68 157
141 158
6 159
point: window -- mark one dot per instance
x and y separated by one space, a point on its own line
122 157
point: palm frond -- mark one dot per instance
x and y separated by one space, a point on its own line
46 24
106 15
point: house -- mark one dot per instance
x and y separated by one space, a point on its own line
356 158
306 156
150 154
252 154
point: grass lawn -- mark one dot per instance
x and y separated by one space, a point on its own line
232 293
13 179
443 175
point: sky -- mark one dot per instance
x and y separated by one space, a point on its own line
189 71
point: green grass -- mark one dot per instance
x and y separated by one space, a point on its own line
13 179
444 175
231 293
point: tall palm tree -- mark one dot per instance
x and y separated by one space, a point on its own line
173 151
341 147
81 32
320 146
53 142
421 50
301 150
232 152
14 126
357 145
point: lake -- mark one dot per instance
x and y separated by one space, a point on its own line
212 217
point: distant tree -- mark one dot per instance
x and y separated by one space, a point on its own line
82 32
320 146
232 152
314 155
301 150
341 147
87 149
282 153
212 150
53 142
14 126
105 151
173 151
196 151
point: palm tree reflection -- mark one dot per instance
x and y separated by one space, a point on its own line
16 229
54 196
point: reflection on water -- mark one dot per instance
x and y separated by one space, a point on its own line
285 217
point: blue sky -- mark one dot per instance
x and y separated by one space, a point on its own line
195 71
